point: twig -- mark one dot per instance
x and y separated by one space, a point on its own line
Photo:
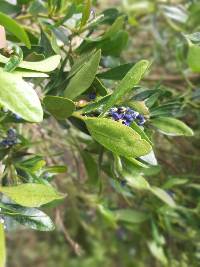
75 246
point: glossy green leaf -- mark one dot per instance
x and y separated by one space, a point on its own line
16 29
82 80
47 65
131 79
31 218
60 107
171 126
130 216
31 195
165 197
19 97
2 247
116 137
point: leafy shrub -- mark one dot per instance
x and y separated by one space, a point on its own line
64 80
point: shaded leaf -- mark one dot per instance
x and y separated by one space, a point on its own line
130 216
60 107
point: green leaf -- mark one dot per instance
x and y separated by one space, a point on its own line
29 74
47 65
116 73
19 97
115 27
160 193
171 126
82 80
193 57
16 29
56 169
140 131
60 107
85 13
107 214
2 246
31 195
115 45
131 79
137 182
116 137
130 216
91 167
31 218
158 252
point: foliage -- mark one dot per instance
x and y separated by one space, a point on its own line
112 125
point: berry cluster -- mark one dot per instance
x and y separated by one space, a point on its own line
126 115
10 140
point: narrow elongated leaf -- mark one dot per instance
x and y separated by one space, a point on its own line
160 193
2 247
158 252
47 65
16 29
116 137
60 107
137 182
19 97
131 79
85 13
171 126
130 216
82 80
31 195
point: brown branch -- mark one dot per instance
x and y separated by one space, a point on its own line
75 246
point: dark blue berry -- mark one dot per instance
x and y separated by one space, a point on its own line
5 143
116 116
92 96
128 117
11 133
123 183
